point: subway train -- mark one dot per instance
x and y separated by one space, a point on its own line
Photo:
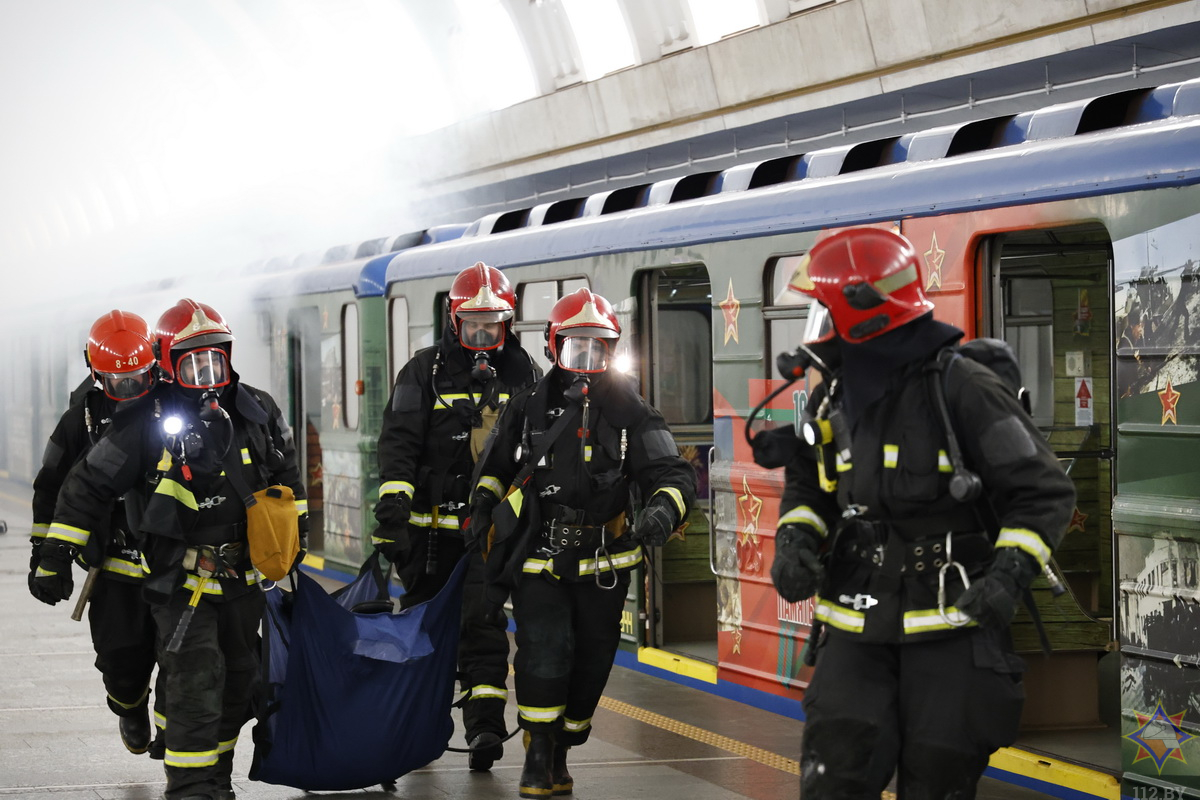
1071 231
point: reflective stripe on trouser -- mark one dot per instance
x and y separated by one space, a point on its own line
208 687
567 635
931 711
482 656
123 638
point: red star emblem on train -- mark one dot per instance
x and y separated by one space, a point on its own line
1169 398
749 549
1077 520
731 307
1159 737
934 257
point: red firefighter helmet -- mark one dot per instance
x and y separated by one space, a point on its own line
120 356
481 295
867 279
578 329
188 328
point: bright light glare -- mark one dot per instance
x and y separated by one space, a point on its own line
172 426
623 363
600 33
717 18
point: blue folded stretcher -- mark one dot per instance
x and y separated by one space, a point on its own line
352 697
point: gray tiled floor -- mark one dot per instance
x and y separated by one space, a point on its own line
58 739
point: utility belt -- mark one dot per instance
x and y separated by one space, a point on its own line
568 528
922 556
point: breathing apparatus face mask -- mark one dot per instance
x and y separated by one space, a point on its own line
126 385
583 354
205 369
482 330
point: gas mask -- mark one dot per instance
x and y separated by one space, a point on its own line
482 330
583 354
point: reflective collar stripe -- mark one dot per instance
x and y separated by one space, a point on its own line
246 455
483 691
180 492
68 534
121 566
807 516
840 617
493 485
675 495
944 464
1027 540
891 455
540 713
930 619
192 759
576 725
445 521
391 487
587 566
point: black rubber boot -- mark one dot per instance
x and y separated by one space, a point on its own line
561 780
535 777
486 749
135 730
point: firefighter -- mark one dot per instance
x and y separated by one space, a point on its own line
572 449
915 672
444 403
118 355
200 435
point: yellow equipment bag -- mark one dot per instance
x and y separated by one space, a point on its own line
479 436
273 529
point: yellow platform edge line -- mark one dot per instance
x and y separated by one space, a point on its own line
680 665
1059 773
316 562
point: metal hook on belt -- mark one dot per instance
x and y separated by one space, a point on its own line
611 569
962 619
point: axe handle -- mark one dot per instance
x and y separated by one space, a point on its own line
85 593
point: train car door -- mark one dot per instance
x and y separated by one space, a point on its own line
1048 295
675 349
304 395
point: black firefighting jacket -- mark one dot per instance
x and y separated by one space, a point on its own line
111 547
186 501
885 525
585 480
425 442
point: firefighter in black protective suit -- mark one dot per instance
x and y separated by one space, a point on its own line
119 355
915 672
198 436
572 447
445 401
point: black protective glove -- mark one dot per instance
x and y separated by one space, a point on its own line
796 570
483 502
992 599
393 510
775 447
52 580
656 521
392 543
34 557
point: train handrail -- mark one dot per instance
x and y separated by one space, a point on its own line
712 515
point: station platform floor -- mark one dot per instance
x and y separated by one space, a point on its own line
653 738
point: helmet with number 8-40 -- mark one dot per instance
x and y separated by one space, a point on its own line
120 356
194 344
482 303
868 280
581 332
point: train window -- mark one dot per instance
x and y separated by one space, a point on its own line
398 354
534 301
350 365
786 313
681 342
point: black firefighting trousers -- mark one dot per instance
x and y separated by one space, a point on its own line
208 686
483 637
123 638
567 636
931 712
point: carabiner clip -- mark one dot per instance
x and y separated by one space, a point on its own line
607 558
961 620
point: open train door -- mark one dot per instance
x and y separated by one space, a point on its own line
304 410
1048 293
674 348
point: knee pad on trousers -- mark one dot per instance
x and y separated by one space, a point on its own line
938 773
834 758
